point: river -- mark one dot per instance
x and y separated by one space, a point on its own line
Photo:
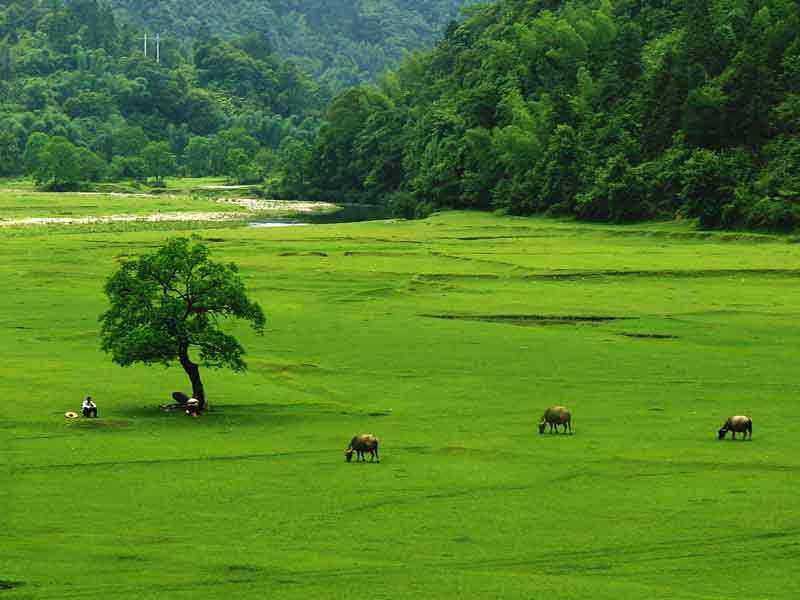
348 213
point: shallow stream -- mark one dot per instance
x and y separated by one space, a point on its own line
347 213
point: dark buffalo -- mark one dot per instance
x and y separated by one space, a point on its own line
737 424
360 445
555 416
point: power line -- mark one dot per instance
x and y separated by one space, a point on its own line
158 46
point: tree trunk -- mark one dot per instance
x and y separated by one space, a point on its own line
193 371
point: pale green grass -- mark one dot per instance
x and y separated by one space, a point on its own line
254 499
189 183
22 204
17 184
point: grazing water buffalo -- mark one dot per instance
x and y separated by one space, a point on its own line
735 424
555 416
361 444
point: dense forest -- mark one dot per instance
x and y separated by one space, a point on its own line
338 43
80 100
615 112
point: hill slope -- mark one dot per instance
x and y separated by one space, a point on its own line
75 80
609 112
339 43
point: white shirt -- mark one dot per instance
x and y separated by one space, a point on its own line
88 404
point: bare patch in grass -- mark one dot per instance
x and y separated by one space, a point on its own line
455 276
652 336
530 320
382 292
244 569
129 558
380 253
310 253
675 273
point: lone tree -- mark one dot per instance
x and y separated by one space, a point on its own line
159 160
169 302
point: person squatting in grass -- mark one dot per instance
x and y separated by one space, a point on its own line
89 408
193 407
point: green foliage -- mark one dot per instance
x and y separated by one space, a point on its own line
618 114
55 163
293 162
127 167
68 70
198 156
340 44
9 153
158 160
167 303
709 181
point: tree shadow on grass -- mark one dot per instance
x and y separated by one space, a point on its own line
260 414
10 585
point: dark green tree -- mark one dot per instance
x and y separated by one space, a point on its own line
159 160
172 303
708 187
9 153
32 157
197 156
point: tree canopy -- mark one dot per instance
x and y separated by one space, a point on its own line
339 43
172 303
606 111
70 72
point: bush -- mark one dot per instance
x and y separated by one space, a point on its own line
709 179
402 205
772 214
619 194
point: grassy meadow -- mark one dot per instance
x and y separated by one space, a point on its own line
22 203
447 338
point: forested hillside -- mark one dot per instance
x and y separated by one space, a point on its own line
608 111
339 43
79 100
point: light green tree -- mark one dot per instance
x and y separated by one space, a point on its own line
171 303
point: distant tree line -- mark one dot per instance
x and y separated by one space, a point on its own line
609 112
79 100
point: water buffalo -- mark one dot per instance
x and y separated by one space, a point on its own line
360 445
555 416
737 423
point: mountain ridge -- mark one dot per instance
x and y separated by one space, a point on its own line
337 43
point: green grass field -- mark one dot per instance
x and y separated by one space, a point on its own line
31 203
440 337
